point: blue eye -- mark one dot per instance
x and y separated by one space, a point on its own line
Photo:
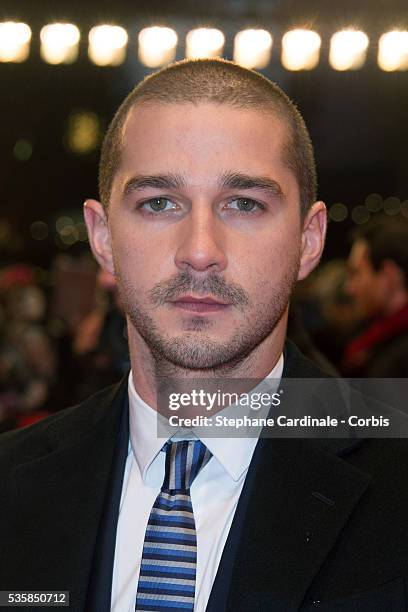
246 205
157 205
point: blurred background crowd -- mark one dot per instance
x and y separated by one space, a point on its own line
62 330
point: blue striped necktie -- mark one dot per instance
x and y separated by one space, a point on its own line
169 559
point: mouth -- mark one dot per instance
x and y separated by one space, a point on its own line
200 305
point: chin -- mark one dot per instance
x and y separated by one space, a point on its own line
198 353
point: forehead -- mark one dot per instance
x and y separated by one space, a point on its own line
216 135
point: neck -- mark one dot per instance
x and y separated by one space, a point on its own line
148 366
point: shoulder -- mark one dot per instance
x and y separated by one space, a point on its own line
61 429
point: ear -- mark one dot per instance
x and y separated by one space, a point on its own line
313 237
99 234
393 273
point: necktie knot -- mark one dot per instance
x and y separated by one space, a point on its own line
184 460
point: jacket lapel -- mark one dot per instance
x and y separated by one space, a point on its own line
100 584
298 495
59 495
302 497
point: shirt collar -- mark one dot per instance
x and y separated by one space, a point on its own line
234 454
145 443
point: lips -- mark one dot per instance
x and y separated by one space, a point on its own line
201 305
194 300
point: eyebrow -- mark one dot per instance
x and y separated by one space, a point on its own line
237 180
228 180
160 181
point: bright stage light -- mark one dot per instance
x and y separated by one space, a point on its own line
157 46
252 48
14 41
348 50
83 132
393 51
204 42
59 43
300 49
107 45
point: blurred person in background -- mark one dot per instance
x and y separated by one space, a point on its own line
100 346
51 356
328 312
378 284
28 358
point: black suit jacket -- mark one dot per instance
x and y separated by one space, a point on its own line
321 525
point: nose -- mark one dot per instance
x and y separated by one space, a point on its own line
201 242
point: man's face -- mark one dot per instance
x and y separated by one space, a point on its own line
365 284
205 230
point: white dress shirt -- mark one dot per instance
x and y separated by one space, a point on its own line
214 495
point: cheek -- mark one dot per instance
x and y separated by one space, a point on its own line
131 272
261 265
361 283
381 290
277 239
370 288
137 257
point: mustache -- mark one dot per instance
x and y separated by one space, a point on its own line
185 282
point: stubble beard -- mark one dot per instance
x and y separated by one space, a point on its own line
194 350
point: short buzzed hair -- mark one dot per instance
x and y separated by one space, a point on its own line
220 82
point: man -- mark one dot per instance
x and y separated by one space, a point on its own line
208 217
378 283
